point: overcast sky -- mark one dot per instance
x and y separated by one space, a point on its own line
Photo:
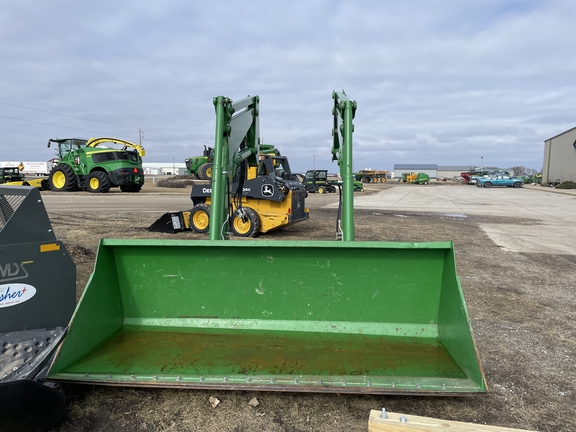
436 82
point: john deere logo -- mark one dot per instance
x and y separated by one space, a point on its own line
267 190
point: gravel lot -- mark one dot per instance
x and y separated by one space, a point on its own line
516 260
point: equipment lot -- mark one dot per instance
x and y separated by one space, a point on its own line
516 256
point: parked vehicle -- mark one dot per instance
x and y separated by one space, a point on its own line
416 178
94 166
317 181
38 169
13 177
501 180
201 166
369 175
471 177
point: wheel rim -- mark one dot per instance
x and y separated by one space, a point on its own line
320 190
59 179
201 220
94 183
209 172
240 226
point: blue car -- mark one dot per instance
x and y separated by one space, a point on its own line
500 180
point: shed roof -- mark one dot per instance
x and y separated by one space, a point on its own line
556 136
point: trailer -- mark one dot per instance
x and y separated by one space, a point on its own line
31 168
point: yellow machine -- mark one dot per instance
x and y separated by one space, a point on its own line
272 198
11 176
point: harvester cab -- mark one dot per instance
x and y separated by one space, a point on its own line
302 316
37 299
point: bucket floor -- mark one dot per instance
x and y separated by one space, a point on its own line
204 352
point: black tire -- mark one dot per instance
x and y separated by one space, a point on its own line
365 179
517 185
487 185
200 218
247 227
62 179
131 188
98 182
205 171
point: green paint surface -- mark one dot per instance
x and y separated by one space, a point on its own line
384 317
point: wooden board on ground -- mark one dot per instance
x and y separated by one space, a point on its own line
415 423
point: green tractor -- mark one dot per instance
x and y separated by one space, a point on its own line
415 178
83 165
201 166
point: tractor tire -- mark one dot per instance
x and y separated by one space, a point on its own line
365 180
321 190
131 188
98 182
248 228
205 171
487 185
62 179
200 218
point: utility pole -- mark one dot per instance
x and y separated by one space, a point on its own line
481 163
140 136
314 162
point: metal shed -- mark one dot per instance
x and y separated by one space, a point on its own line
453 171
560 158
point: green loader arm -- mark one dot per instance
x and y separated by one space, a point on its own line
237 139
344 111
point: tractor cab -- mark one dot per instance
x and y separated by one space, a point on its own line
67 145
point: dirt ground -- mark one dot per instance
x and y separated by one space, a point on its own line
521 307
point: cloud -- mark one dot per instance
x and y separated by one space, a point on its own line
435 81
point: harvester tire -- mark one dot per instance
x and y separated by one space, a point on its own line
200 218
62 179
97 182
205 171
248 228
131 188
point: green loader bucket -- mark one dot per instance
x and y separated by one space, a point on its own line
343 317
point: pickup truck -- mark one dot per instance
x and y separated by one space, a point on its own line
501 180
